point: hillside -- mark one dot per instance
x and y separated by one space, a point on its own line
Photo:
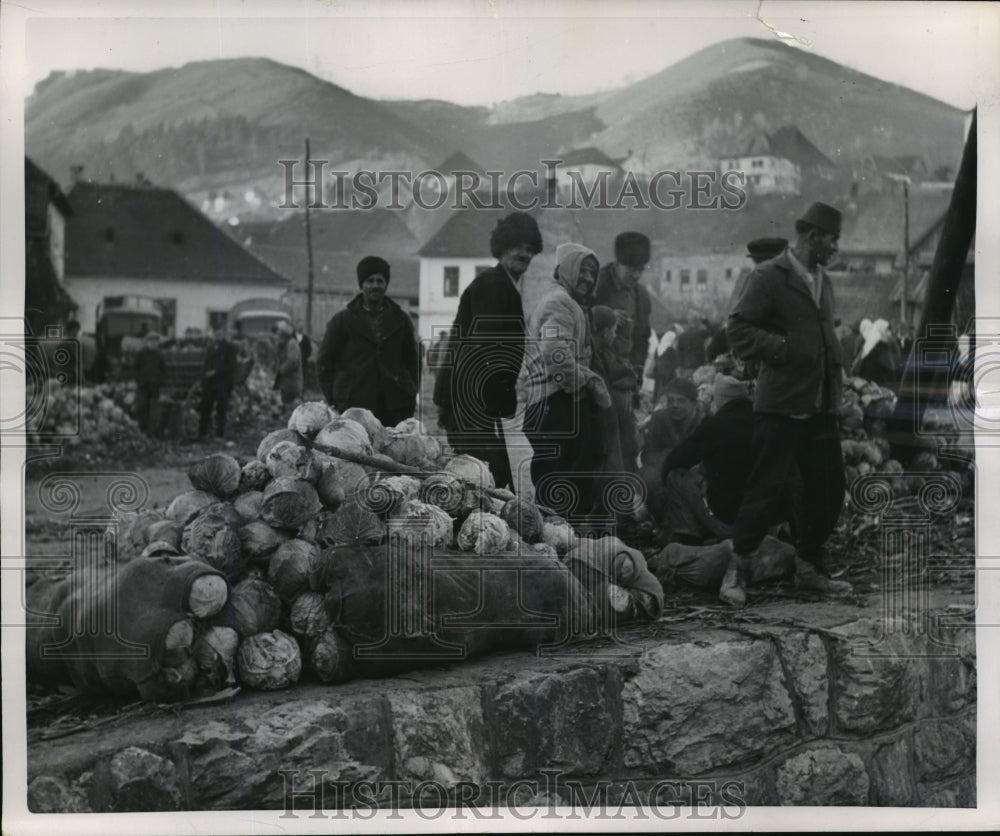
216 129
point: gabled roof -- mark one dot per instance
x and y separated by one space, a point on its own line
878 224
587 156
153 233
788 143
465 235
459 161
905 164
39 191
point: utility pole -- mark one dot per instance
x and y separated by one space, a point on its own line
309 250
905 295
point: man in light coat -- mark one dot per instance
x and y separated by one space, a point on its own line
784 322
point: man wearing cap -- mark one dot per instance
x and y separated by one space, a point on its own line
479 389
784 322
619 288
369 357
758 251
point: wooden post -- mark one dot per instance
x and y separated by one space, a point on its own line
309 252
904 313
925 377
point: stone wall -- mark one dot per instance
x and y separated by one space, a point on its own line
790 705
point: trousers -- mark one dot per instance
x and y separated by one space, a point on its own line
781 445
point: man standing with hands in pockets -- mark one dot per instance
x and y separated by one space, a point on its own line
784 322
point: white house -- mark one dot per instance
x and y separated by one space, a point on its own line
147 241
780 162
449 261
582 167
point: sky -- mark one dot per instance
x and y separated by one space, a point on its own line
479 52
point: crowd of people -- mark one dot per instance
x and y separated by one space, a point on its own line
568 373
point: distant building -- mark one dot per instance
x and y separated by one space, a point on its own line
449 261
148 241
583 167
783 163
46 210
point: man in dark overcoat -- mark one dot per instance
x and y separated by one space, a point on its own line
369 356
478 389
784 322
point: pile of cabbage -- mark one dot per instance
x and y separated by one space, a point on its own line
264 523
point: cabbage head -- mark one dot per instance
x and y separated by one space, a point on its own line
269 661
219 474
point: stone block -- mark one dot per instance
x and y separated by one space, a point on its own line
704 705
47 794
892 777
944 748
439 735
960 792
569 721
265 752
805 663
877 684
140 781
823 776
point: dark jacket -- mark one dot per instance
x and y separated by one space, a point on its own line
354 367
880 365
690 347
723 442
777 323
632 343
150 369
488 343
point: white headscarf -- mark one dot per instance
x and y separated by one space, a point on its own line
666 341
569 260
876 332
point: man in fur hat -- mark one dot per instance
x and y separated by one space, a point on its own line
479 390
369 355
784 322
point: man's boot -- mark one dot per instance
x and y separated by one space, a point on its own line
809 577
734 585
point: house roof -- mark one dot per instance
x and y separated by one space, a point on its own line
587 156
39 191
459 161
878 224
789 143
153 233
465 235
905 164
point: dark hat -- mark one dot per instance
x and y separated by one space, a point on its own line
370 265
683 387
632 249
603 317
513 230
823 217
761 249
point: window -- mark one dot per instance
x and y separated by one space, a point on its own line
667 277
703 276
729 272
482 268
450 282
168 307
109 234
217 319
685 277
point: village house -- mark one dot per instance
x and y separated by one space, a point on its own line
582 167
46 210
783 162
141 240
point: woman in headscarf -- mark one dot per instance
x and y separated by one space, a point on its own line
665 365
564 395
878 360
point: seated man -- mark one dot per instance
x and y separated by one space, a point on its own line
720 447
667 427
